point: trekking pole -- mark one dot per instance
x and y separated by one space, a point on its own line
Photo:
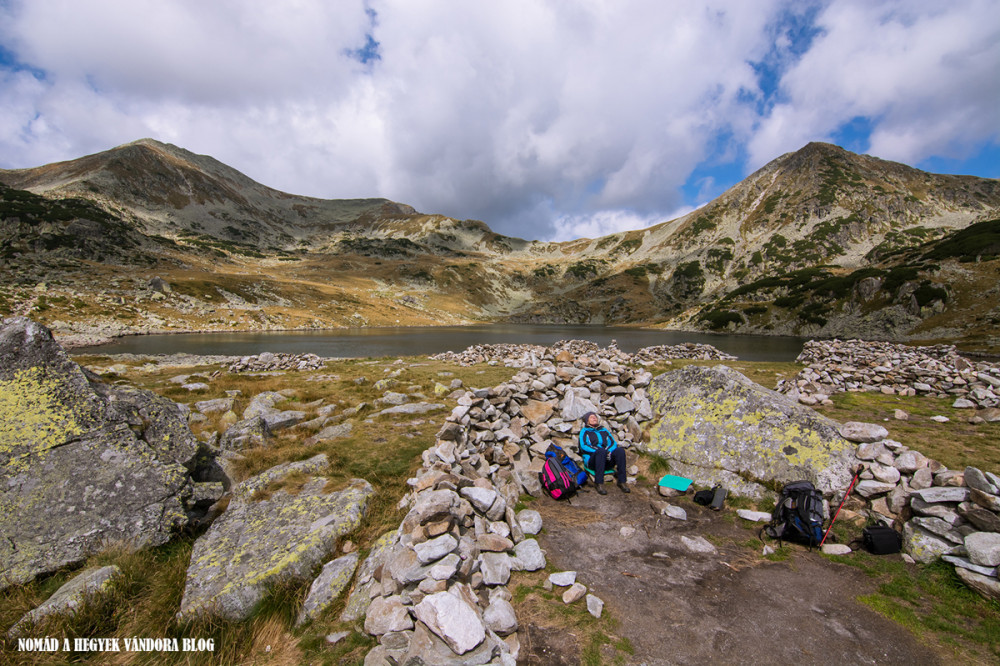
857 471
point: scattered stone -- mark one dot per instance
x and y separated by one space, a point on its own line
574 593
595 606
563 578
985 585
529 555
387 614
699 545
836 549
754 516
500 617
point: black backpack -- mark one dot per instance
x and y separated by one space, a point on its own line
880 539
798 517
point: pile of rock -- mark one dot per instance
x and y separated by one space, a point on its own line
951 514
529 356
268 362
510 355
438 584
687 350
893 369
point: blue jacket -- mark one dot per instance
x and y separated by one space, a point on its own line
592 439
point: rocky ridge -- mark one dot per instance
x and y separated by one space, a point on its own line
520 355
809 232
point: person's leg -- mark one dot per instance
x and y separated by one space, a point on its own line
618 462
621 473
597 461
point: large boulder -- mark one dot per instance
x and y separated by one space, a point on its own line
82 464
264 539
716 426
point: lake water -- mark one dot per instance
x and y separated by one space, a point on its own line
405 341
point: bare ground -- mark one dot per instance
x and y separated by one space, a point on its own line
730 607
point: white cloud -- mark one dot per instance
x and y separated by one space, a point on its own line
542 118
605 222
924 72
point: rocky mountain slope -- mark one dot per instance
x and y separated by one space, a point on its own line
818 242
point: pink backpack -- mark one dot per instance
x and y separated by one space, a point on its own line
556 480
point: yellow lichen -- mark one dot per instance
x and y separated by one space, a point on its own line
34 417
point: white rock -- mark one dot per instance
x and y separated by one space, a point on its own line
386 614
529 555
563 578
495 568
856 431
698 544
500 617
595 606
675 512
445 568
332 580
940 419
942 494
481 498
435 549
754 516
885 474
984 548
836 549
873 488
452 620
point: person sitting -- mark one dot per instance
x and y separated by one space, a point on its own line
600 451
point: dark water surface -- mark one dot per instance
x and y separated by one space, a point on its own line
408 341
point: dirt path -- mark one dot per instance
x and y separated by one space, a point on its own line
730 607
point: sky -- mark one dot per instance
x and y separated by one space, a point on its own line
546 119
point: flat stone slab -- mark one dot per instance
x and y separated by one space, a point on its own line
70 597
333 580
255 544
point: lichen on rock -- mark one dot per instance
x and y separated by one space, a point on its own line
82 464
715 425
256 544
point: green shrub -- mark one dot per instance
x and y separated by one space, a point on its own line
721 318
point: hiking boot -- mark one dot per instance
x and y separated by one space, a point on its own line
622 487
600 489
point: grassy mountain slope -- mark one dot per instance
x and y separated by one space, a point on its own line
818 242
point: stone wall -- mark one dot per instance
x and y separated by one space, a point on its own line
438 590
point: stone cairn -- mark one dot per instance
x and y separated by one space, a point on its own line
949 514
437 585
893 369
268 362
525 356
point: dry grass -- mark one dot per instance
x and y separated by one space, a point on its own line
956 443
384 450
